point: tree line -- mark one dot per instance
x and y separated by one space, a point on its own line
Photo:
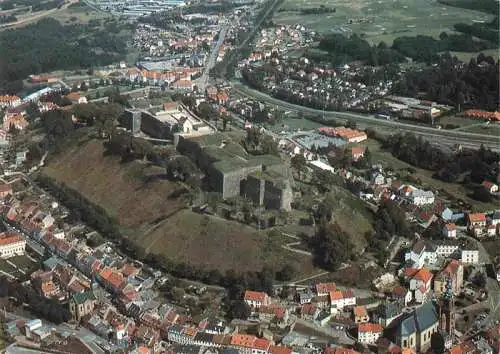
48 45
49 309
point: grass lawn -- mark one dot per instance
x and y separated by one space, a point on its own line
221 244
462 122
79 14
379 19
293 124
490 129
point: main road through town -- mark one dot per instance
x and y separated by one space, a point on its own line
446 137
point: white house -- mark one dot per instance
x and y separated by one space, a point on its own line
421 197
11 244
490 186
369 333
470 256
450 230
340 299
446 249
421 253
256 298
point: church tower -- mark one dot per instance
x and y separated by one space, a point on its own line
447 310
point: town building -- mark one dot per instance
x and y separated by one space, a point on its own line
81 304
5 190
340 299
256 298
476 220
450 230
360 314
9 101
414 330
470 256
453 273
369 333
323 289
11 244
490 187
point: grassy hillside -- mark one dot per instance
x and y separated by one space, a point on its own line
351 215
142 202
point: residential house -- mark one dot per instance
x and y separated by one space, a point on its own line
243 342
495 218
81 304
309 312
420 283
469 256
360 314
454 273
402 295
340 299
11 244
9 101
446 248
256 298
421 197
476 220
274 349
421 253
357 153
369 333
378 178
339 350
450 230
325 288
490 187
414 330
305 296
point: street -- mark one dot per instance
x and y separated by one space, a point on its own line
203 80
448 137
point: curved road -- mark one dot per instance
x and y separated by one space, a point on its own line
443 136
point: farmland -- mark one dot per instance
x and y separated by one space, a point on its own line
378 20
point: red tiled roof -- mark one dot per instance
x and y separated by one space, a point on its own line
477 217
360 311
450 226
261 344
274 349
8 238
423 275
400 291
322 288
340 350
243 340
370 327
255 296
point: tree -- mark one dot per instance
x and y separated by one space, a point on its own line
331 247
437 343
239 309
286 273
298 162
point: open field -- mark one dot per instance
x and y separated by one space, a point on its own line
490 129
160 223
79 13
455 190
378 19
293 124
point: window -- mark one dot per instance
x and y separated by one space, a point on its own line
405 343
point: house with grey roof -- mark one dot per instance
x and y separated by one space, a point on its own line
416 329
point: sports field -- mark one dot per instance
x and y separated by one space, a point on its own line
378 20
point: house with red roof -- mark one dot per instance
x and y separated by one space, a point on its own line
476 220
453 273
275 349
340 299
357 153
256 299
369 333
325 288
420 284
360 314
490 186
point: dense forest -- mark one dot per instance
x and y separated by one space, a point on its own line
470 167
487 31
48 45
342 49
48 309
473 85
488 6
